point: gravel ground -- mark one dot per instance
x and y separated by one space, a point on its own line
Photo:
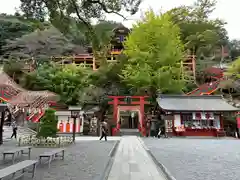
198 159
85 160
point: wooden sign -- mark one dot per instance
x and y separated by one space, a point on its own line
169 125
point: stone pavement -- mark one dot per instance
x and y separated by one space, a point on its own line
85 160
197 159
132 162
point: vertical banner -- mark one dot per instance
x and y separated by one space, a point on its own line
67 127
60 126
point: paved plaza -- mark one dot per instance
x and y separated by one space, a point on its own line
185 159
198 159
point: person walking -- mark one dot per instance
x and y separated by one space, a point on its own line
104 130
14 129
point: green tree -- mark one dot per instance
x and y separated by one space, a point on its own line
61 13
200 34
66 81
234 46
233 72
155 52
41 45
11 27
13 68
48 124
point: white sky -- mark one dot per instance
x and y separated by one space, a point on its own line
227 10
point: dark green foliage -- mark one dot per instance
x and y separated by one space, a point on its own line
48 125
61 13
11 28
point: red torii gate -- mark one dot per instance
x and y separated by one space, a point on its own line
138 106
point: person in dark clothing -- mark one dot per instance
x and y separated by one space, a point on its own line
103 130
14 128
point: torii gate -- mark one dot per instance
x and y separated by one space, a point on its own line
138 106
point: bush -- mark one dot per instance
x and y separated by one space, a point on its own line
48 125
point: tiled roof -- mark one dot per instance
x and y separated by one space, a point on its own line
194 103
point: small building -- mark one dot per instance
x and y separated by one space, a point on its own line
194 115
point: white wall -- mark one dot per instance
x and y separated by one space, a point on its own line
177 120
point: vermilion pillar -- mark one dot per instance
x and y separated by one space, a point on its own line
115 108
116 102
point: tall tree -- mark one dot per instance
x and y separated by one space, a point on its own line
200 34
12 27
62 12
41 45
66 81
155 52
234 46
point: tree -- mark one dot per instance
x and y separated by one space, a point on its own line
234 46
66 81
12 27
201 35
48 124
13 68
61 13
155 52
41 45
233 72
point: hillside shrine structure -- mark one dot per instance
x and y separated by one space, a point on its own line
128 103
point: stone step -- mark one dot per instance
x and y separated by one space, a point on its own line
129 132
22 131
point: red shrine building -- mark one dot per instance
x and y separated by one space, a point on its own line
194 115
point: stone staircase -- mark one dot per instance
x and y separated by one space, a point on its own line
129 132
22 131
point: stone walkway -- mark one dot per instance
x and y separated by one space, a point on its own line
96 138
132 162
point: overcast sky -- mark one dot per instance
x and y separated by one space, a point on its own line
227 10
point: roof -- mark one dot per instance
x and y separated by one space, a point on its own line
194 103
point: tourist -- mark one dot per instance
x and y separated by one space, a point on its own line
104 130
14 128
159 133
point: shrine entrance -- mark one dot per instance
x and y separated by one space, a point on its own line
128 112
129 117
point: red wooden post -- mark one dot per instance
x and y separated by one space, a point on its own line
115 108
115 102
142 103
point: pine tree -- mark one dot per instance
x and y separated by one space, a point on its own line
48 124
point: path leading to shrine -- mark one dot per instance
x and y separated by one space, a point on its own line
132 162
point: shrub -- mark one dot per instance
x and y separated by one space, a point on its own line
48 124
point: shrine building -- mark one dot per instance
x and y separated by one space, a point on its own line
194 115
